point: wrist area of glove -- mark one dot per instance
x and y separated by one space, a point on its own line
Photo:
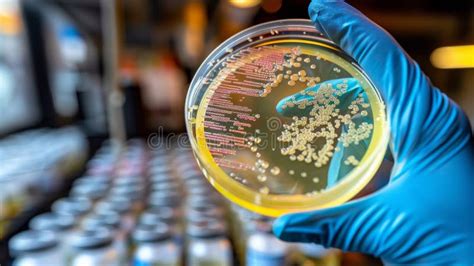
438 217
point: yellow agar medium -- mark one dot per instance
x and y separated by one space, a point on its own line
278 204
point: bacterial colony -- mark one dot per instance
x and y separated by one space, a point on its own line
284 118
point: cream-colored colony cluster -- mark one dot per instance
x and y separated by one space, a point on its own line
322 121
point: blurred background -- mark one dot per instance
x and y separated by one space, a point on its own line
74 73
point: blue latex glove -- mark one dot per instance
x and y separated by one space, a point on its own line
426 213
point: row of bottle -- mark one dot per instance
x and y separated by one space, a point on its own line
144 207
96 218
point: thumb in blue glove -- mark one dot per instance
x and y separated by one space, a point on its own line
291 106
425 214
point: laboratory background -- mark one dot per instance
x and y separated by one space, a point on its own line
93 137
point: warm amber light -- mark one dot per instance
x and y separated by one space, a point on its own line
245 3
271 6
453 57
9 23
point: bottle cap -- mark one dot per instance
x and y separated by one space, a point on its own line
92 191
151 233
92 238
107 219
118 204
52 221
32 241
164 198
162 213
72 206
207 228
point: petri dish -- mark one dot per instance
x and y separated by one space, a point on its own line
281 120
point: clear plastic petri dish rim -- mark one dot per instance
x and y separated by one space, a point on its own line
277 204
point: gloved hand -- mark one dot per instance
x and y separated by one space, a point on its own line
426 213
